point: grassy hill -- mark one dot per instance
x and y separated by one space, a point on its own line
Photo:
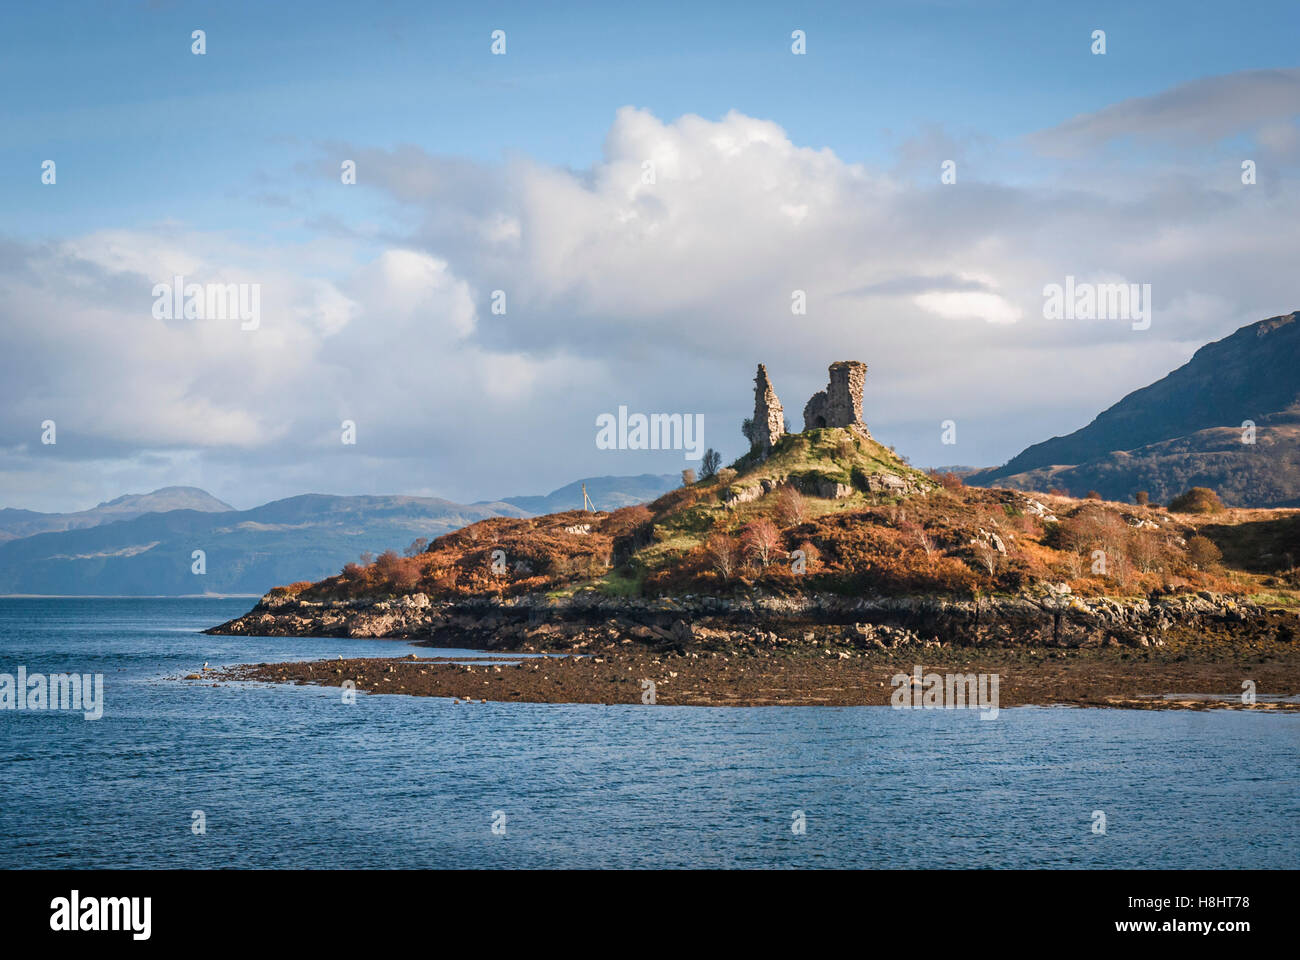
830 511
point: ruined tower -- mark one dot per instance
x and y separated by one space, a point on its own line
840 404
769 418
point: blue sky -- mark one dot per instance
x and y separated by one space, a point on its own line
479 171
146 131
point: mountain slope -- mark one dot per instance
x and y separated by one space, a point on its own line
1186 429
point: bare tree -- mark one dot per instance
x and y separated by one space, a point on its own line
724 552
1148 552
762 539
709 465
917 534
791 509
988 555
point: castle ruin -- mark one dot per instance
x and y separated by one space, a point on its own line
769 418
839 405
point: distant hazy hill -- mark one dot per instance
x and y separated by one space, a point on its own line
124 551
1186 430
607 493
299 538
25 523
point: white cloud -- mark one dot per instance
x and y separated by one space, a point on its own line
660 295
1203 110
966 305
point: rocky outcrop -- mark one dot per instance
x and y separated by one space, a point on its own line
769 418
840 404
1046 616
893 484
735 496
826 489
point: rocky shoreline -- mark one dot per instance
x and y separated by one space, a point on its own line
810 677
1178 650
1050 618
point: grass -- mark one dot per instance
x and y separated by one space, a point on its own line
831 454
1275 600
827 454
619 584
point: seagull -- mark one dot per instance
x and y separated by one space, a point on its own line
205 664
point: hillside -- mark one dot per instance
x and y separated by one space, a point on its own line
832 512
1265 474
1186 429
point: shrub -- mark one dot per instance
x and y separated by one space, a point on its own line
626 519
791 509
1202 552
917 534
811 556
1092 495
1197 500
688 477
1142 498
292 590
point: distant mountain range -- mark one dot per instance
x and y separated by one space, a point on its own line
143 545
1188 429
25 523
607 493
